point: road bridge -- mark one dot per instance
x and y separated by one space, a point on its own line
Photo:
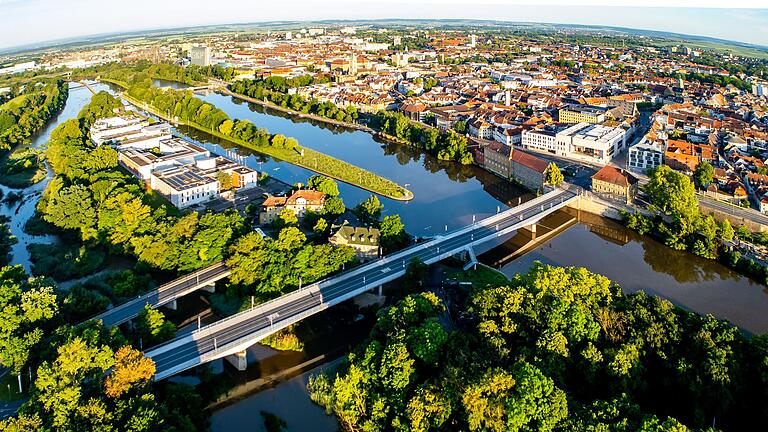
166 294
231 336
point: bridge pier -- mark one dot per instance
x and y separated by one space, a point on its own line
529 231
209 288
172 305
239 360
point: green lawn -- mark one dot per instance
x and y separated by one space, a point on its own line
22 168
481 277
14 103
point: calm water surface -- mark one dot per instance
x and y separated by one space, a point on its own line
447 194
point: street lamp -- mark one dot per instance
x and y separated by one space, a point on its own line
272 317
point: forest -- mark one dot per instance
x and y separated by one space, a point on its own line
28 109
555 349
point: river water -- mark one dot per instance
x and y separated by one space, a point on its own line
448 195
21 211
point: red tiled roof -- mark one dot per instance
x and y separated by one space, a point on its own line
535 163
611 174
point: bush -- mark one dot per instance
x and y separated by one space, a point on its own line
64 262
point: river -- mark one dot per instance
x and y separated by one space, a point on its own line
448 195
21 211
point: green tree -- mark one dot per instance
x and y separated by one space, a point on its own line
225 180
333 207
25 306
286 218
672 193
321 227
153 327
370 209
726 230
323 184
703 174
393 235
553 176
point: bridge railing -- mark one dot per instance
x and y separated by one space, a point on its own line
156 291
365 267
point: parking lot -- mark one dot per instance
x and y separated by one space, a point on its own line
254 195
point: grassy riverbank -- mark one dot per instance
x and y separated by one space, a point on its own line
300 156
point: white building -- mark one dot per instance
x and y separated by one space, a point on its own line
129 132
170 153
760 88
200 55
184 186
597 144
645 156
508 136
583 141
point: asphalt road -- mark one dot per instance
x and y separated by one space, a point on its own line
743 213
164 294
184 352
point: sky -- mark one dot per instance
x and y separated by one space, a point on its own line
32 21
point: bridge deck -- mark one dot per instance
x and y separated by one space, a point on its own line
235 333
165 294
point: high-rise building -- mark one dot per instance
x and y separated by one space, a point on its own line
201 55
473 41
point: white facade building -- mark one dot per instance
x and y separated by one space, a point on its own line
184 186
645 156
124 132
583 141
597 144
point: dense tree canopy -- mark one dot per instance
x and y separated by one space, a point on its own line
29 110
556 349
283 263
83 378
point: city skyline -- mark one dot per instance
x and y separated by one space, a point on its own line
744 25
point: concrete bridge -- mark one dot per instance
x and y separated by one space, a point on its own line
166 294
231 336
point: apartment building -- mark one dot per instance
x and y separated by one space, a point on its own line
645 156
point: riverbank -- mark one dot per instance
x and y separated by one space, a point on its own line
271 105
301 156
